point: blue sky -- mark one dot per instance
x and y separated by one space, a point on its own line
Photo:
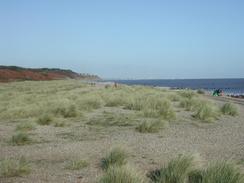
127 38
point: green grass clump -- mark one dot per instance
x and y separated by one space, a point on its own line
174 97
155 107
66 112
115 100
229 109
187 94
166 111
90 102
117 157
12 168
27 126
150 126
20 138
59 124
76 164
206 112
176 171
112 119
122 174
135 103
70 112
189 104
44 120
221 172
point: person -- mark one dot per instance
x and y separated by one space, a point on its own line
218 92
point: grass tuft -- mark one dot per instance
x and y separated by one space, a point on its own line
221 172
76 164
27 126
117 157
206 112
189 104
12 168
176 171
150 126
229 109
187 94
44 120
20 138
112 119
122 174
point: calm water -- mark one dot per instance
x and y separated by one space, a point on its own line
229 86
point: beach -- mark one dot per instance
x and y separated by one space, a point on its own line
103 120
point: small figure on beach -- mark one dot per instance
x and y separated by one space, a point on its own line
115 85
218 92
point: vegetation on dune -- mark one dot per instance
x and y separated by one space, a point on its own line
229 109
112 119
151 126
189 104
45 119
13 167
174 97
187 94
176 171
223 172
117 157
26 126
90 102
20 138
121 174
206 112
76 164
184 170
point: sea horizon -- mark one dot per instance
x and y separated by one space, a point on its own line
228 85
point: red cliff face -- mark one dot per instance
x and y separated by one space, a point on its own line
12 73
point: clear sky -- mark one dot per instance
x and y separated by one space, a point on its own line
126 38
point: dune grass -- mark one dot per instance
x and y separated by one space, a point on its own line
26 126
112 119
14 167
223 172
151 126
187 94
45 119
76 164
190 104
121 174
206 112
176 171
117 157
229 109
20 138
184 169
220 172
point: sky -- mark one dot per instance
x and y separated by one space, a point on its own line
126 39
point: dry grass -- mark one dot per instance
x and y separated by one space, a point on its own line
177 171
151 126
229 109
206 112
117 157
20 138
14 167
122 174
26 126
76 164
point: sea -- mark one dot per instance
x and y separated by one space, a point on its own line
229 86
